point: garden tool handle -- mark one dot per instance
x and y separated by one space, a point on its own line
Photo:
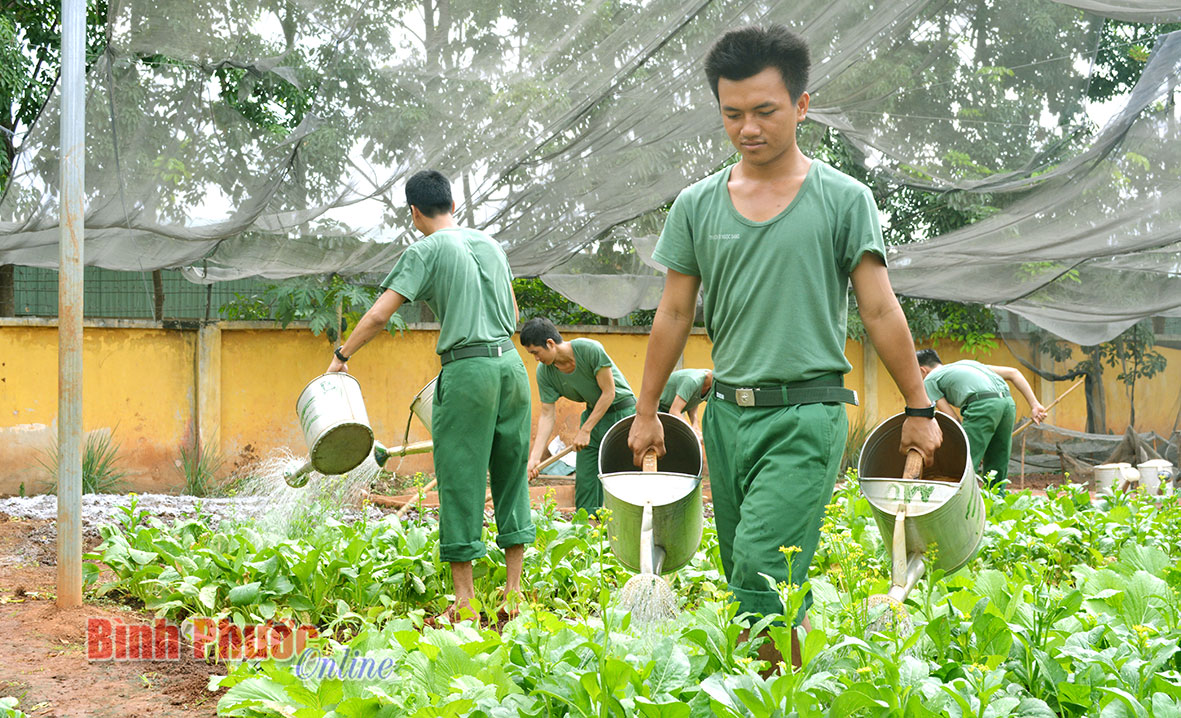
649 461
914 465
1051 405
546 464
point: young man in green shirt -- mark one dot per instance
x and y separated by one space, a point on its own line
987 409
579 370
774 241
481 410
685 391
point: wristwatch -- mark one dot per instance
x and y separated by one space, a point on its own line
927 412
342 357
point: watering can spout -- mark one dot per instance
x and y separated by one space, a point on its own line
380 454
940 506
299 477
656 514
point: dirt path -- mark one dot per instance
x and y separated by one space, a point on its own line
43 651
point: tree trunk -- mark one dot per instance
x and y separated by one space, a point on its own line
158 295
1132 402
8 290
337 331
437 29
467 201
1096 401
7 271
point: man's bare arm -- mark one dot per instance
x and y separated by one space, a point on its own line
886 326
545 429
1017 379
369 326
666 343
606 381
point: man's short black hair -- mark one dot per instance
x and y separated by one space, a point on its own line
430 191
537 330
747 51
928 357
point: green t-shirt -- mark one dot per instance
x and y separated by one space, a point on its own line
580 385
775 292
959 380
687 384
464 277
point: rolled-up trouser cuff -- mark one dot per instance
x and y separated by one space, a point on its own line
462 552
516 538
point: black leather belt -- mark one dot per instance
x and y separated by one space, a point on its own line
826 389
982 395
476 350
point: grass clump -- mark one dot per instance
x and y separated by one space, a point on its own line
199 465
100 475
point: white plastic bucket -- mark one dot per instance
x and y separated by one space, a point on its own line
1108 476
1156 475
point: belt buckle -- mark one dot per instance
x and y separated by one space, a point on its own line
744 397
499 351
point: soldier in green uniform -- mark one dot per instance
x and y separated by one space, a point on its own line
579 370
987 410
685 391
774 242
481 410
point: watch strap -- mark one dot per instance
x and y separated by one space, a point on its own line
340 355
925 413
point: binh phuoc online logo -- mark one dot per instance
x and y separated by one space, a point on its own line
112 639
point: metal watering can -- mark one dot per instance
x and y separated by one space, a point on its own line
915 514
335 426
421 406
656 516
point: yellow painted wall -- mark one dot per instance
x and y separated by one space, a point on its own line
138 383
139 380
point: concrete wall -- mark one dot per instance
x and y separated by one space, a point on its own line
235 385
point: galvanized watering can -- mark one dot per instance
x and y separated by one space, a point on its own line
335 425
656 516
421 406
942 516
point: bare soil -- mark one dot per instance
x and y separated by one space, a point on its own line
1037 483
43 653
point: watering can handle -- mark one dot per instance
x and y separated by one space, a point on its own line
649 461
914 465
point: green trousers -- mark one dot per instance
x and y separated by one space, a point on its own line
588 490
480 424
989 426
772 472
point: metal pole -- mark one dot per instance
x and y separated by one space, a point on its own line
69 313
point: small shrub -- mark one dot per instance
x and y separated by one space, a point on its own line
99 473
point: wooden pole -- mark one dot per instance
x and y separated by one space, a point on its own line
1023 461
